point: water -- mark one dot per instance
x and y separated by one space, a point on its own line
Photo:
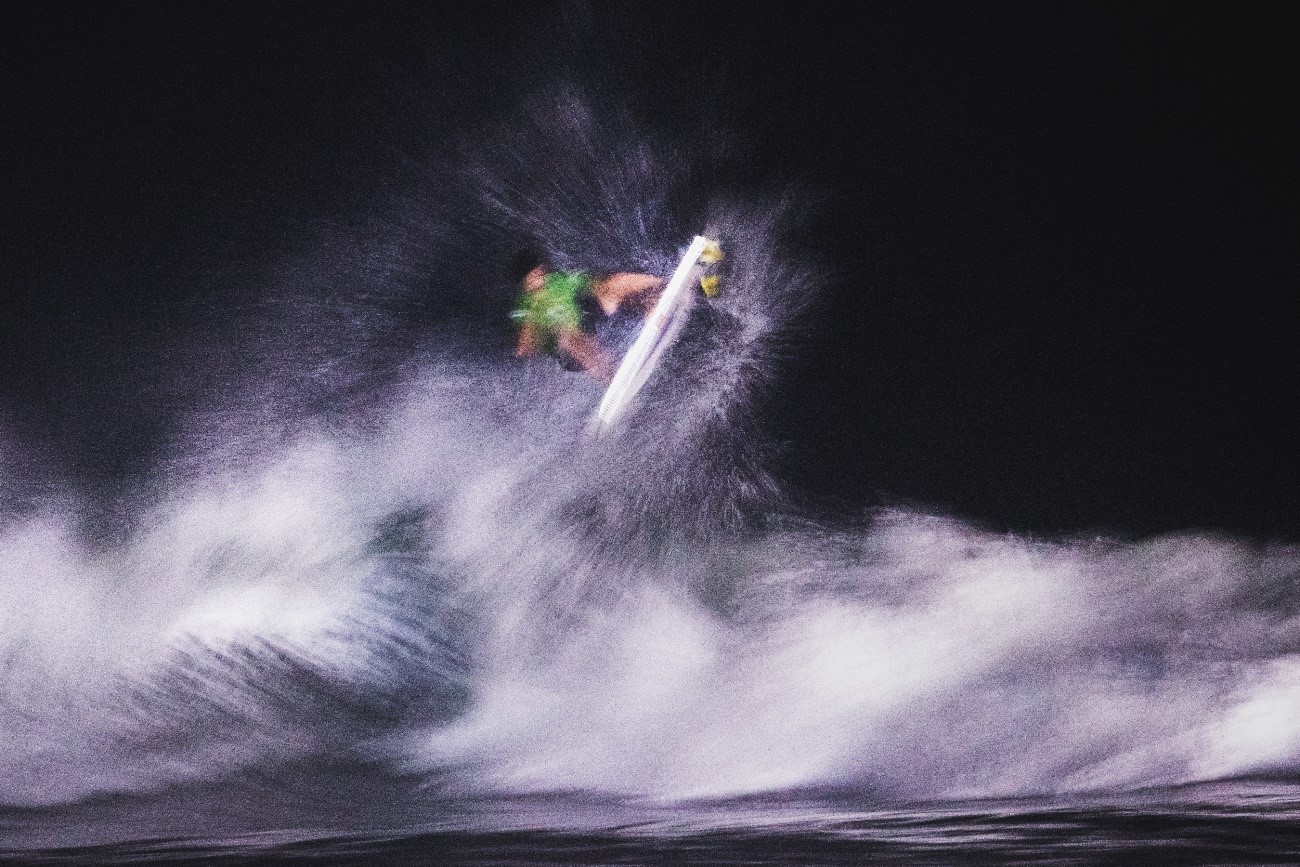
1241 823
381 602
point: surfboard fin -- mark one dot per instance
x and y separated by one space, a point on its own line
712 252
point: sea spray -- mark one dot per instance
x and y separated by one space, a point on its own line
381 539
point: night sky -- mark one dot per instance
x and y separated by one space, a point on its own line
1061 243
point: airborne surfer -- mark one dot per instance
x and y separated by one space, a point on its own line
551 316
554 307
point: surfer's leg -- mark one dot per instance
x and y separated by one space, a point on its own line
587 352
613 290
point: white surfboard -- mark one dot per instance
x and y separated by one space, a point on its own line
657 334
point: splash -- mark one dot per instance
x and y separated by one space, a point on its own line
387 542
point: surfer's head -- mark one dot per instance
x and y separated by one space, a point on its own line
529 267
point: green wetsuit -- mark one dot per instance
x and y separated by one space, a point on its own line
553 307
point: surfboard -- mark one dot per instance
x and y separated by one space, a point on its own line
658 333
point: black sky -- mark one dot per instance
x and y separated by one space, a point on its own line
1064 240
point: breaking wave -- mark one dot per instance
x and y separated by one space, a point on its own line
384 540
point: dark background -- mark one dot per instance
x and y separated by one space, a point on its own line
1064 240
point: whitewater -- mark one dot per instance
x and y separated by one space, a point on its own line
381 574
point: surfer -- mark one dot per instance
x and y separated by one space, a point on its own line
554 306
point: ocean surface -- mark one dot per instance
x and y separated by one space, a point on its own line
1236 823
